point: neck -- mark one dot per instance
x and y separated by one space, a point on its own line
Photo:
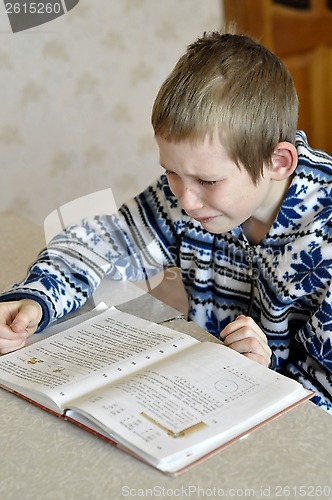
258 225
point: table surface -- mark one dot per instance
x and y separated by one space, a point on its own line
44 457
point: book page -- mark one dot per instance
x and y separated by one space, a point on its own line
90 355
180 409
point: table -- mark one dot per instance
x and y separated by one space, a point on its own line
43 457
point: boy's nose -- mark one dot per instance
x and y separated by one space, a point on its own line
190 200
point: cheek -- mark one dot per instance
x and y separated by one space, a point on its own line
231 200
175 185
219 197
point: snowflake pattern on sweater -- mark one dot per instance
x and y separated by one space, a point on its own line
292 266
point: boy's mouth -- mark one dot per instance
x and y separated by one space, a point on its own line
203 220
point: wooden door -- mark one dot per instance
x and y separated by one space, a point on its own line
300 33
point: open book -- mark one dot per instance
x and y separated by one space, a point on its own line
161 395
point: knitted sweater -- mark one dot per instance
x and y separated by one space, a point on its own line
286 277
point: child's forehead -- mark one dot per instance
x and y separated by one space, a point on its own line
197 140
207 147
206 156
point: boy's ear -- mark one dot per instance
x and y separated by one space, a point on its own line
284 161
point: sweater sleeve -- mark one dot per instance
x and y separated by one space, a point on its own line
135 244
311 359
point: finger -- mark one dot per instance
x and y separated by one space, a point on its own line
250 345
258 358
27 319
244 324
6 333
18 320
251 341
10 314
10 345
22 324
229 329
7 313
248 322
240 322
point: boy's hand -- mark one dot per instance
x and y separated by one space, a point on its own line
244 336
18 320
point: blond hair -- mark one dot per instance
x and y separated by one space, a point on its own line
232 84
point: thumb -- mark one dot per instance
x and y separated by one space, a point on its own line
19 325
27 318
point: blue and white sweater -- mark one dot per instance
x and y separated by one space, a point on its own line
292 266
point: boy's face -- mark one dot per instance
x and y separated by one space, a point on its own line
210 187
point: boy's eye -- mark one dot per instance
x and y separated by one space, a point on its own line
168 173
200 181
206 183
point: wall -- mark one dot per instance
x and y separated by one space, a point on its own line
76 97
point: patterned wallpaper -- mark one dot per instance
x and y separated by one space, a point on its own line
76 96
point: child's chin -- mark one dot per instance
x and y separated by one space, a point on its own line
214 226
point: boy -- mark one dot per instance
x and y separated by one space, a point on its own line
243 208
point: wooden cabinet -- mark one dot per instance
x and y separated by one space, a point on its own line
300 33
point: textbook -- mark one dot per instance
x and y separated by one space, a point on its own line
159 394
